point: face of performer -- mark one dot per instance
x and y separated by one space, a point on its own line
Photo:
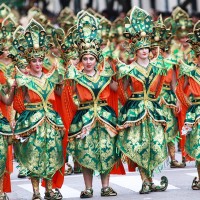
154 51
5 53
89 62
36 65
55 50
183 40
198 59
75 60
143 53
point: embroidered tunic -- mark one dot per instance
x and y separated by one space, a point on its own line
39 127
141 120
168 100
92 140
192 145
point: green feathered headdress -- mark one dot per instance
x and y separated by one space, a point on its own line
32 44
138 29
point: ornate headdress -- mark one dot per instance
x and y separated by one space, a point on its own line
88 40
4 11
6 32
104 29
66 19
32 43
183 24
194 38
117 30
14 53
158 32
69 46
138 29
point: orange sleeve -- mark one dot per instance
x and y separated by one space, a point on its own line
121 92
157 85
181 93
18 102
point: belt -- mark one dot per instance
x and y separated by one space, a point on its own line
196 101
91 104
166 87
142 96
38 106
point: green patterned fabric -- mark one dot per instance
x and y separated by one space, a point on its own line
93 128
134 111
3 153
40 129
5 128
97 151
86 117
192 141
168 96
144 144
172 123
5 132
141 119
193 114
41 152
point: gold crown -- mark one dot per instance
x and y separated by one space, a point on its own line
88 41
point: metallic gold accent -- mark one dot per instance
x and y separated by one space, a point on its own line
91 104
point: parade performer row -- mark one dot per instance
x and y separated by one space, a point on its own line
64 106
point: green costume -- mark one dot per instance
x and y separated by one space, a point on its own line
5 132
168 102
141 119
40 128
93 129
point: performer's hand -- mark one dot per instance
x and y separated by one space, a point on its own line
178 106
14 85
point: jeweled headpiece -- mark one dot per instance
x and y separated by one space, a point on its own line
32 44
69 46
138 29
117 30
4 11
183 24
66 19
158 32
14 53
104 29
194 38
88 40
6 32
